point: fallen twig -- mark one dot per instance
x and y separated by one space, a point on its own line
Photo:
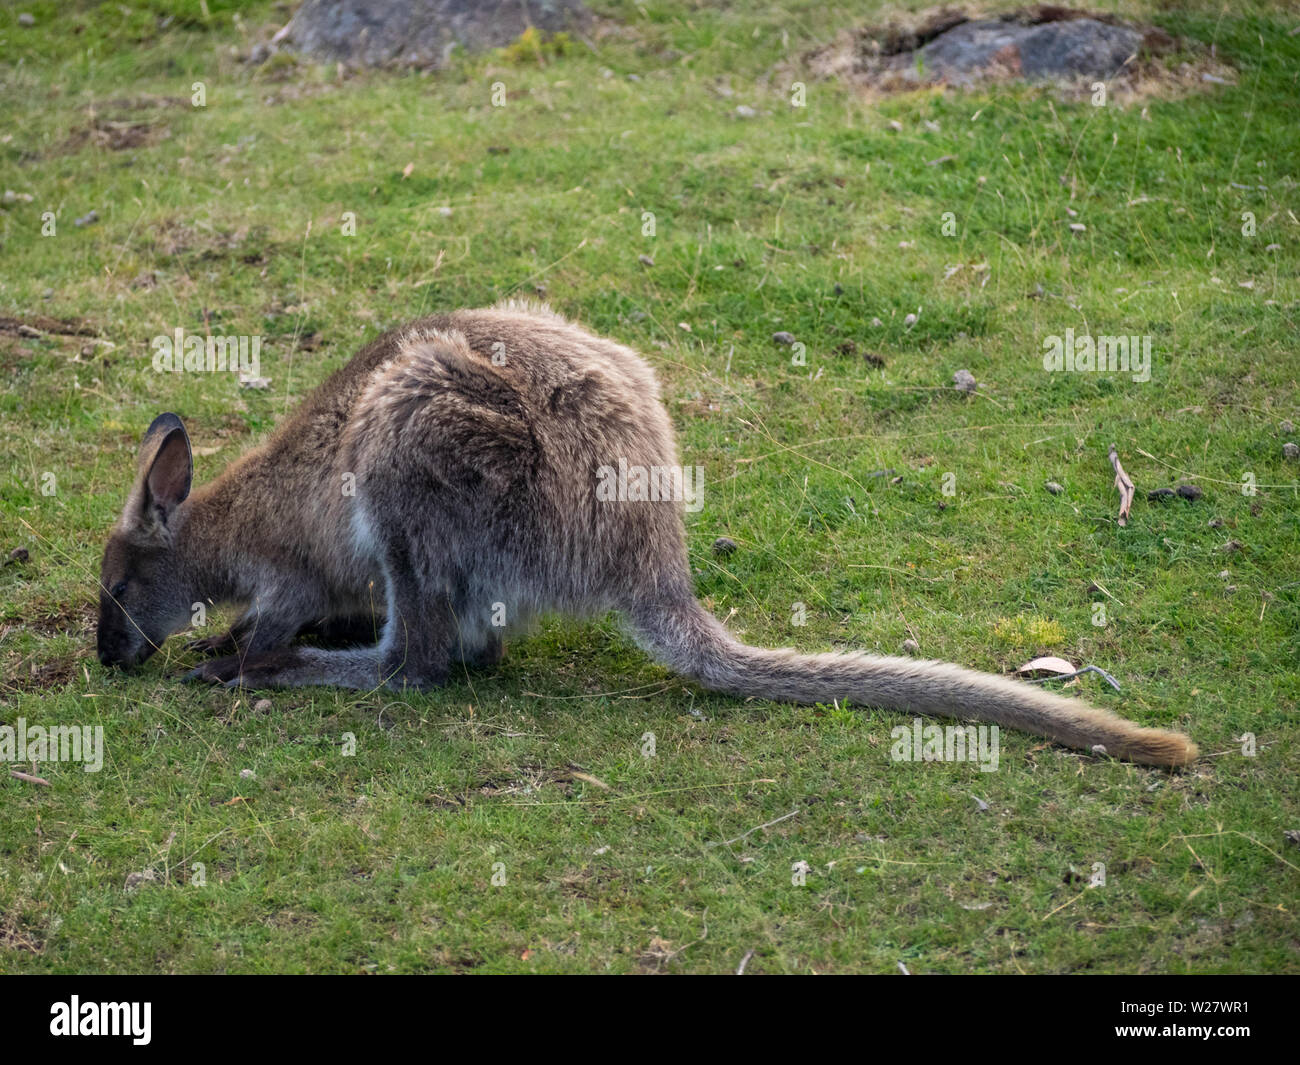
769 824
1124 484
1078 673
29 778
740 969
577 774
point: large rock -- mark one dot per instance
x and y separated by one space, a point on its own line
1041 43
1078 48
419 32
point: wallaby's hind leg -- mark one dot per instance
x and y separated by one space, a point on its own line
414 653
294 667
420 634
485 652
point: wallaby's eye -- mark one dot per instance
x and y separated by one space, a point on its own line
119 590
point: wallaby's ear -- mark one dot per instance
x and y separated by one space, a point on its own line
166 469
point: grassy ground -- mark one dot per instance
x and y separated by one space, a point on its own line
229 218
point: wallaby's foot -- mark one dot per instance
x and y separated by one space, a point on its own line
223 644
486 655
405 673
303 667
270 669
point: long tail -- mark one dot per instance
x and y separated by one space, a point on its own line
683 635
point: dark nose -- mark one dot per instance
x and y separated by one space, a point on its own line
110 649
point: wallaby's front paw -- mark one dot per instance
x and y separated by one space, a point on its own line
214 645
218 671
267 670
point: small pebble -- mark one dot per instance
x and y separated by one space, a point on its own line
247 774
783 337
135 880
724 546
1290 452
911 647
964 380
1054 488
262 705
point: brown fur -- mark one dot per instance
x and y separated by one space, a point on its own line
473 441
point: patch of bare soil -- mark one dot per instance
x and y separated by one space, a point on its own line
53 675
174 238
14 937
114 135
75 620
39 324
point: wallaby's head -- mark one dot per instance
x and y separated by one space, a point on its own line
142 594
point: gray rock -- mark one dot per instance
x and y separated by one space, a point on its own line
724 546
135 881
1040 43
420 33
1078 48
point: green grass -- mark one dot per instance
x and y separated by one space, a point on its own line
383 861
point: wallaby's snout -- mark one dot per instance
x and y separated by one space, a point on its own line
113 643
139 603
143 596
120 640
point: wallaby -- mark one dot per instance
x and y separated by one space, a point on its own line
444 482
